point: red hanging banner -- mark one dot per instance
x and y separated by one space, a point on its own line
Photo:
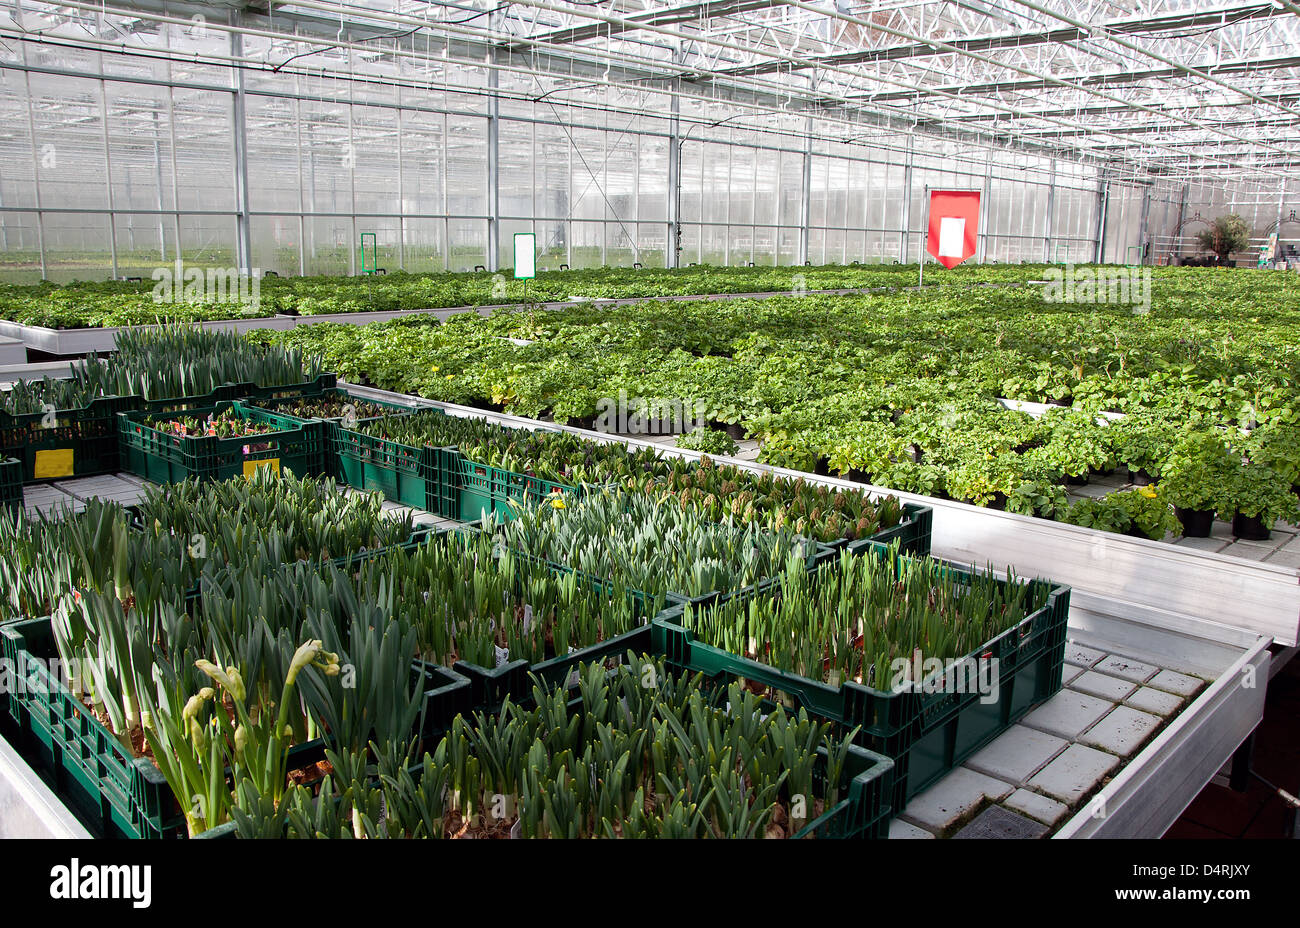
954 223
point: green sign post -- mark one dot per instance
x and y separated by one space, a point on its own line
369 267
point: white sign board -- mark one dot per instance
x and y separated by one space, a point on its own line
525 255
952 232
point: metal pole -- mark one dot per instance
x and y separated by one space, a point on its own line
108 174
243 240
925 234
1047 223
673 253
805 194
493 172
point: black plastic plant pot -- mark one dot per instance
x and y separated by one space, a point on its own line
1140 477
1103 472
582 422
734 429
1073 481
1251 528
1196 522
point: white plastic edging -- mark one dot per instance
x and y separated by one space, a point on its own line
29 808
66 342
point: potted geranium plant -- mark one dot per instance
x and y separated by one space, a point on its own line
1255 498
1195 479
1143 443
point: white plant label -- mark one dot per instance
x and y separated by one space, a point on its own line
952 234
528 618
503 656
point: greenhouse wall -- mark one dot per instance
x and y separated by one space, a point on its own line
114 162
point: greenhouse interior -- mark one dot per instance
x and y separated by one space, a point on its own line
715 347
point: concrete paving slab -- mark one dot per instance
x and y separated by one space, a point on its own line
1155 702
1103 685
1127 668
1074 773
1080 656
1016 754
901 829
954 797
1213 545
1122 731
1067 714
1172 682
1036 806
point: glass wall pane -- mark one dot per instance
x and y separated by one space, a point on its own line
425 241
20 248
275 242
467 244
76 247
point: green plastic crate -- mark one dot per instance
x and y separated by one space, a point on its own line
257 395
163 458
332 426
11 485
486 490
866 813
926 734
402 473
119 795
67 443
913 533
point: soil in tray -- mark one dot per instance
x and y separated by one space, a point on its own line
225 425
335 408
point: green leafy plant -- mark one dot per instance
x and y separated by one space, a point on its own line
709 441
856 622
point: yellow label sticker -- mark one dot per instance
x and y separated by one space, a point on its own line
56 462
252 467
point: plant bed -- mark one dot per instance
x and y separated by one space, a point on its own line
829 515
219 442
121 794
801 779
333 405
929 721
629 538
612 702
